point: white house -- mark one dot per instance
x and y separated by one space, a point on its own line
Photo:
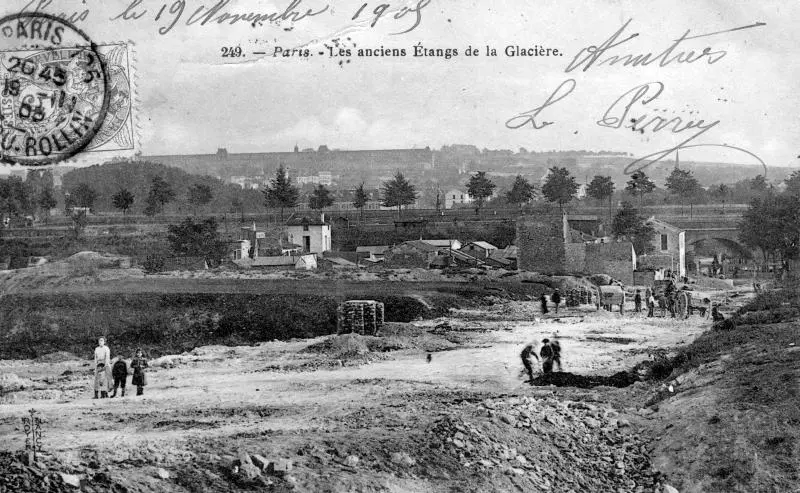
454 198
312 233
670 240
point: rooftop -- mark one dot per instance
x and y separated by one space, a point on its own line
483 244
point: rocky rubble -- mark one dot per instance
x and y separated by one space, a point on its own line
48 474
255 469
550 445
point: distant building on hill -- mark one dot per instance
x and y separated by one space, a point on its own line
455 198
228 164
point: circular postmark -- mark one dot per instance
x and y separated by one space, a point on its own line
54 89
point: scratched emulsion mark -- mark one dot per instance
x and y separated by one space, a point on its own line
622 109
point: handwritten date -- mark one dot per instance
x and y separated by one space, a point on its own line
168 15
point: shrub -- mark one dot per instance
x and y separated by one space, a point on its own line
153 263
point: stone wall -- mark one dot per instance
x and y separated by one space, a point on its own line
615 259
540 241
542 248
575 260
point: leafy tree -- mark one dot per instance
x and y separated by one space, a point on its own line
47 200
161 193
720 193
398 192
14 197
197 239
683 184
629 225
759 184
601 188
320 198
39 186
640 185
360 199
123 200
81 196
280 193
238 206
200 195
79 222
480 187
793 183
772 225
559 186
522 191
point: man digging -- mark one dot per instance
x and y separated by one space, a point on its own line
526 354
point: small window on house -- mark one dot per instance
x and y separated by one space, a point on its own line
305 227
663 242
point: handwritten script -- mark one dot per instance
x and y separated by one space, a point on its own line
167 14
634 110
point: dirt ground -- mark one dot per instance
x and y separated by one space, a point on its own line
361 415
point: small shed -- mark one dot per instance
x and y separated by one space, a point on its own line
373 253
410 254
337 263
305 262
479 249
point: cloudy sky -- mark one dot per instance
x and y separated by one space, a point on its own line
191 100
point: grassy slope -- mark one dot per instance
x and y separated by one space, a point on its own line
166 315
734 422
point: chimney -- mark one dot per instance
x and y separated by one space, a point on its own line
322 217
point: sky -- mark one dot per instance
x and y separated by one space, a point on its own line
192 100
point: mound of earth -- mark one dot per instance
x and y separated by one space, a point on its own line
10 382
566 379
57 357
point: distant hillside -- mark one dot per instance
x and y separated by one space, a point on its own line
450 162
136 176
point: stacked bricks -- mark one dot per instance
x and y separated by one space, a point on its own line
363 317
580 296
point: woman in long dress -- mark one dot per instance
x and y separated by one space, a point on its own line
102 369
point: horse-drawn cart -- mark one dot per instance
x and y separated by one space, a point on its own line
612 295
681 300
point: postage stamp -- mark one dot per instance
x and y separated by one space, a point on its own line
61 94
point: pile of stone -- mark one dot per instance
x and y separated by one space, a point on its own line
363 317
581 296
46 474
255 468
550 445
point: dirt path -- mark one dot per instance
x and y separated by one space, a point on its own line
223 380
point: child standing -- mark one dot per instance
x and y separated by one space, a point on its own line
120 373
139 364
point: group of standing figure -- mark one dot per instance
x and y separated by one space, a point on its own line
105 374
555 298
550 354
